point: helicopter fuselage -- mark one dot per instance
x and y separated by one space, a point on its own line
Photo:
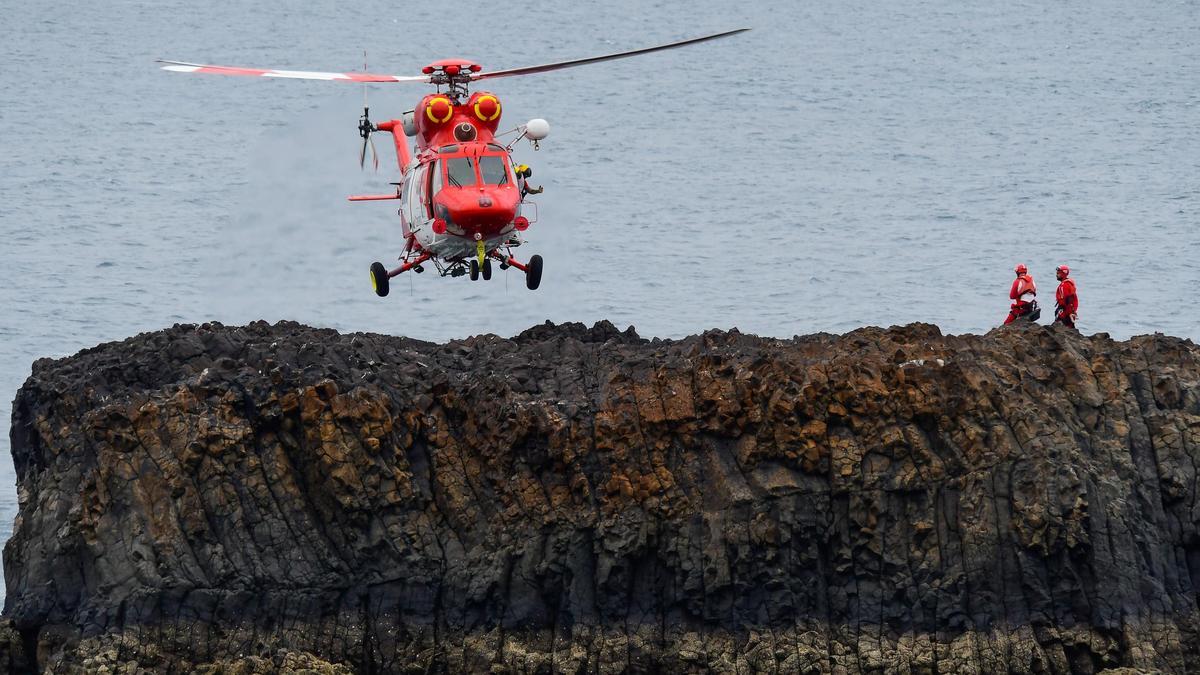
460 189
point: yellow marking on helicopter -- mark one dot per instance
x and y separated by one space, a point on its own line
429 109
479 113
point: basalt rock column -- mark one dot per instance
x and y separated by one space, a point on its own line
273 498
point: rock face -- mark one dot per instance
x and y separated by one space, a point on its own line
573 500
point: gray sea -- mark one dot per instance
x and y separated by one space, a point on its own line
843 164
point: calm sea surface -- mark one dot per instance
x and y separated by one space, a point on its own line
843 164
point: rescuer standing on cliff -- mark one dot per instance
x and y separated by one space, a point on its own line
1024 296
1066 303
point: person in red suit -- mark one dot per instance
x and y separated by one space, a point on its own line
1066 302
1024 296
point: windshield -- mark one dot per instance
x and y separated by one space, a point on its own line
492 168
460 171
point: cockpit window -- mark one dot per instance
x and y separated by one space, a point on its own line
495 146
448 148
460 171
492 168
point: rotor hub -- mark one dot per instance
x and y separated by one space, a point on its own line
455 74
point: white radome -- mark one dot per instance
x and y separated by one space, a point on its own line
537 129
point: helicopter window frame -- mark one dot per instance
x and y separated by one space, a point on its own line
414 196
406 218
495 161
436 182
454 164
426 179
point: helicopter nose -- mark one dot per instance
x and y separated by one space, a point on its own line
487 211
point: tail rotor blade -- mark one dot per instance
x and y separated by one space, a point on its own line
365 128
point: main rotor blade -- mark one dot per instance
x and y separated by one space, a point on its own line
183 67
528 70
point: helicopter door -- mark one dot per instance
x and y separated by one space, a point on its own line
406 190
415 209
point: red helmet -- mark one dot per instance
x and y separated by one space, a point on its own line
1062 271
1021 269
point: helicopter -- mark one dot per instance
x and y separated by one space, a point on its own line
463 201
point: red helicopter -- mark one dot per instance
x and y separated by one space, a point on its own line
462 199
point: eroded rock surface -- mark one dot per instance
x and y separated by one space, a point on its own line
281 498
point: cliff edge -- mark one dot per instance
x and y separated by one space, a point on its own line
278 498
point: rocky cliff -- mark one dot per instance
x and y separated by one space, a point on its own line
572 500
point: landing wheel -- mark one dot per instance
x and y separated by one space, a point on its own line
379 279
533 274
474 270
487 269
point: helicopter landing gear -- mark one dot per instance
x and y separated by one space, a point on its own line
487 269
379 279
532 269
474 270
381 275
533 273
